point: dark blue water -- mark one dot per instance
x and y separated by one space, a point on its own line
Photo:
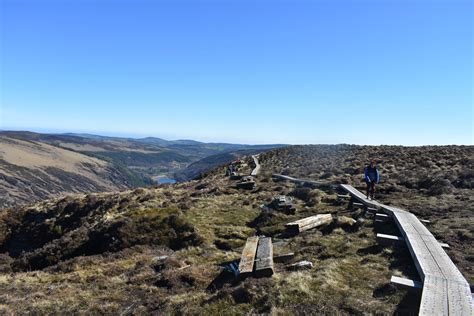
166 181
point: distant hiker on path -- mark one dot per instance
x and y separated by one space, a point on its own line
372 177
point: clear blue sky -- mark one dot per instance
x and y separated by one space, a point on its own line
364 72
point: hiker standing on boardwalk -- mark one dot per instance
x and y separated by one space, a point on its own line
372 177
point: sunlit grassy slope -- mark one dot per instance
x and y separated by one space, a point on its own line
97 253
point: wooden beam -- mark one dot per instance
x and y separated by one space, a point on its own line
382 217
283 257
305 182
309 222
407 283
248 256
389 240
341 196
358 205
444 245
264 261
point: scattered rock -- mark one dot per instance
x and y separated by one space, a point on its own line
247 183
283 203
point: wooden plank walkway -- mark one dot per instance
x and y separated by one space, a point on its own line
256 170
303 182
445 290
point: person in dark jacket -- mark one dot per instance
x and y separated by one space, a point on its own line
372 177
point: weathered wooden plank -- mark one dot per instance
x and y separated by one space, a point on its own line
264 261
283 257
393 210
447 267
248 256
406 283
303 182
444 245
434 299
309 222
341 196
422 230
459 299
323 220
389 240
356 194
424 261
382 217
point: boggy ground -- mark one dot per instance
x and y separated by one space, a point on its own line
99 253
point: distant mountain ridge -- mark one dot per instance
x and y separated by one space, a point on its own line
167 143
134 162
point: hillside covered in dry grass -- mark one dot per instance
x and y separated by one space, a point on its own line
103 253
33 171
36 166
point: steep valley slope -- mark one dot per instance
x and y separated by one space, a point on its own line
104 253
130 163
32 171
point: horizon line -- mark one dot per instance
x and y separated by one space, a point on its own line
143 136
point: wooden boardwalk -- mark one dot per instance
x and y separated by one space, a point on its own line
256 170
303 182
445 290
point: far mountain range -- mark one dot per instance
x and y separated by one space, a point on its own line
35 166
